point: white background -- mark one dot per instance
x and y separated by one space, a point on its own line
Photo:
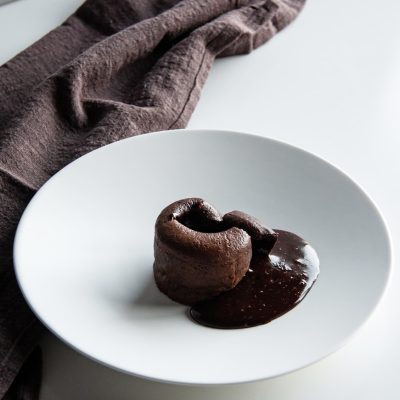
330 83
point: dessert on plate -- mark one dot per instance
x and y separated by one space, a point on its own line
232 270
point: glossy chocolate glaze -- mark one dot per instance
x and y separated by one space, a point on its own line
272 286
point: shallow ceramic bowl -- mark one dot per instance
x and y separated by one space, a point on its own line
84 254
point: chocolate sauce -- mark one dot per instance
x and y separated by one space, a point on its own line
273 285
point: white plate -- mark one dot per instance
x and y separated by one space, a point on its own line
83 254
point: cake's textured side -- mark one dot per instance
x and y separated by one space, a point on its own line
196 258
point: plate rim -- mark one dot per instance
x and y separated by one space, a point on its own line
339 345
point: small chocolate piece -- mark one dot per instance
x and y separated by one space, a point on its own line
196 258
262 238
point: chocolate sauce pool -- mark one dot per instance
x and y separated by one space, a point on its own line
272 286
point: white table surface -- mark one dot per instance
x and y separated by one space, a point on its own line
330 83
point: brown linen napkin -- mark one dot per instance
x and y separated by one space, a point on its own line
114 69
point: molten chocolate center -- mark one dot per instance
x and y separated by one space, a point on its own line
272 286
201 219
